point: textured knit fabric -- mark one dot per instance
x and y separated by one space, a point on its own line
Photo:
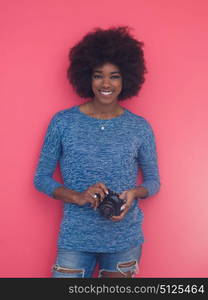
92 150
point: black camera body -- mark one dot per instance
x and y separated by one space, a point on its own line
111 205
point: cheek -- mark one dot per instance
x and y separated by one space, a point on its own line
119 86
94 85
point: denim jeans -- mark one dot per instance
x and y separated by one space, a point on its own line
74 264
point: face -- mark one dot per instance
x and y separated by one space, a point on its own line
106 83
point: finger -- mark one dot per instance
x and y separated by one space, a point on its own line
100 192
92 202
97 202
118 218
95 197
123 195
97 193
92 199
92 195
127 206
102 186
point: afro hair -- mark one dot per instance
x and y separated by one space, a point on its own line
114 45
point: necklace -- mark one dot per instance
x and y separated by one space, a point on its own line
104 123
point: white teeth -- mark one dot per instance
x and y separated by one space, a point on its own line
105 93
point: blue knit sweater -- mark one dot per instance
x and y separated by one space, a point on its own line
92 150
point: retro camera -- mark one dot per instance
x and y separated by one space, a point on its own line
111 205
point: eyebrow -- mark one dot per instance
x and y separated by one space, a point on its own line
110 72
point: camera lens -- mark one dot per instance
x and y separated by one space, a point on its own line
107 210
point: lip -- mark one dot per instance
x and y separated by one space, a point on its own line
105 92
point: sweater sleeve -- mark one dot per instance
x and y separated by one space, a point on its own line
49 156
148 162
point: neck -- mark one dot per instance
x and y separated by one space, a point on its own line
105 109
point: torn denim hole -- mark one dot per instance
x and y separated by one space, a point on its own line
123 268
65 270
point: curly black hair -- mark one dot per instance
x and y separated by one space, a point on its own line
114 45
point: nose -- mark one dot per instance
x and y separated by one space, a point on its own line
105 82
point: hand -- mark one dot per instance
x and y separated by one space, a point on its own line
128 196
88 196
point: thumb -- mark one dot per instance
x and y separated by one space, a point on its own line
123 195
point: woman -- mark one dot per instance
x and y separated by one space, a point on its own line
100 146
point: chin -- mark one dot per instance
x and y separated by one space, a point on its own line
106 100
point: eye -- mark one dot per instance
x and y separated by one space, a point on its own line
96 76
115 77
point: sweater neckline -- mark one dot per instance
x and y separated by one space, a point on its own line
100 120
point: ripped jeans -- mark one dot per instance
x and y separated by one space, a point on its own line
74 264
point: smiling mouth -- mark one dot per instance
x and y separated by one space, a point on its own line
105 93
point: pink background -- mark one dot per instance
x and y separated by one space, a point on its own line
35 39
